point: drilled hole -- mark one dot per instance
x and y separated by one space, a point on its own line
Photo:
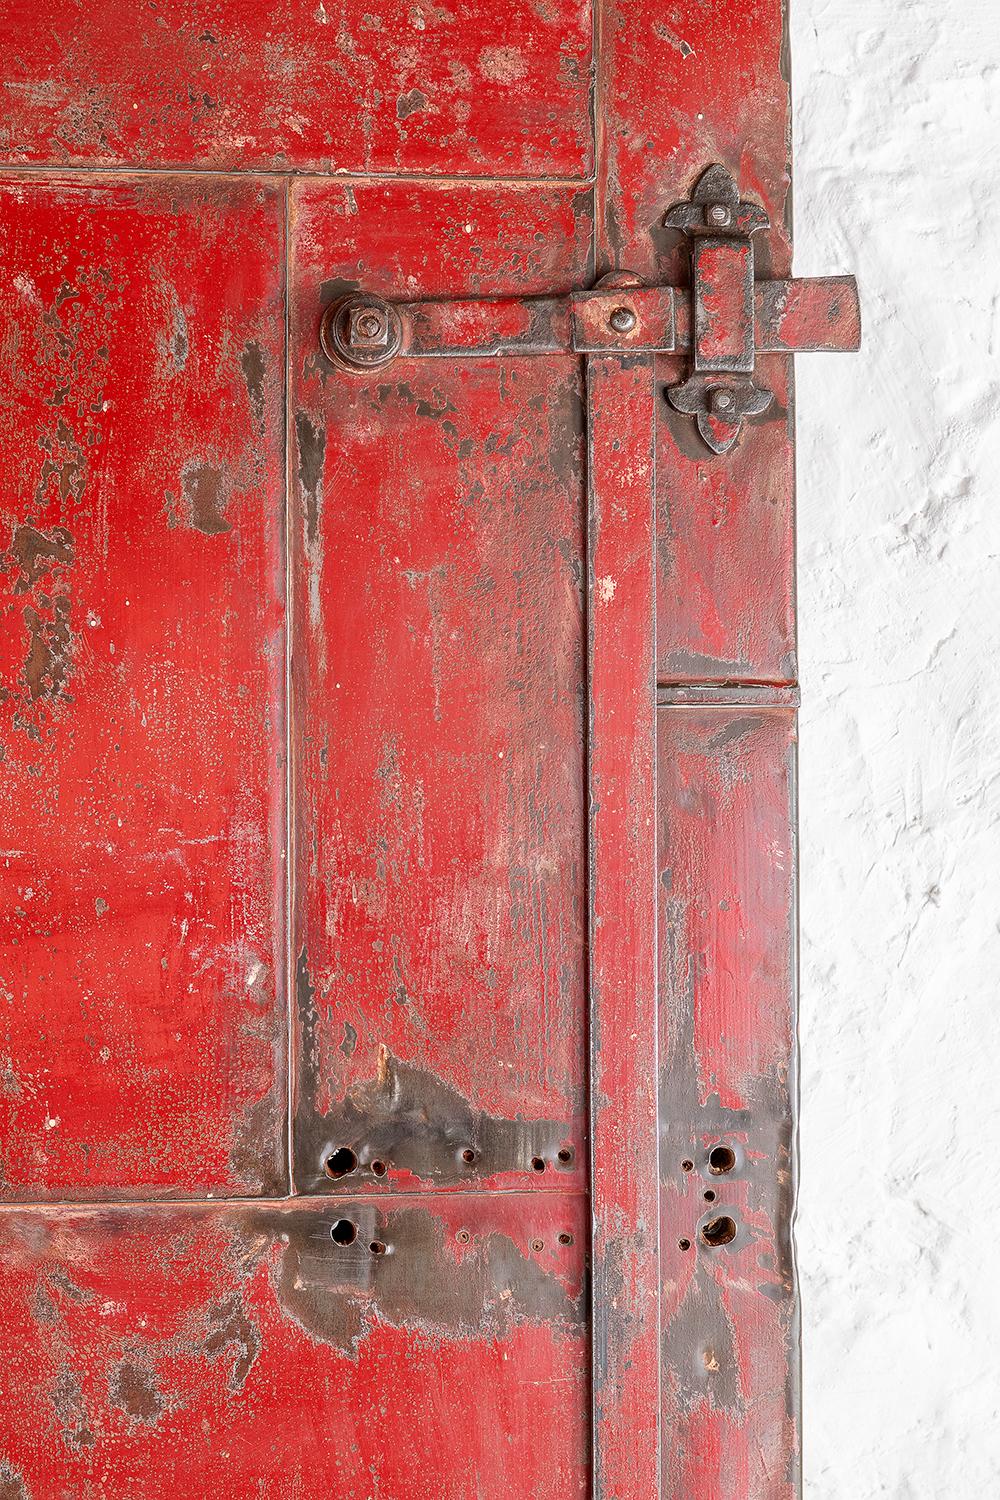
720 1231
376 1247
340 1162
687 1165
344 1232
565 1239
537 1165
721 1159
537 1245
379 1168
470 1155
565 1156
710 1196
684 1244
462 1236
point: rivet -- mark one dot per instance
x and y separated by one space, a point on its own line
722 400
622 319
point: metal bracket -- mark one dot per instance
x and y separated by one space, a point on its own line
726 318
720 393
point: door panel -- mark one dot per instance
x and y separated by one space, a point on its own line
304 85
438 758
726 556
142 1004
238 1351
726 857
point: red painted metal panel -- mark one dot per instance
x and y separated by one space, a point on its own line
438 744
142 1023
623 1035
236 1351
438 691
681 90
318 85
727 984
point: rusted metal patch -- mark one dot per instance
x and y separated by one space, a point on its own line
405 1128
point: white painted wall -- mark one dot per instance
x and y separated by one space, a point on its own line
897 140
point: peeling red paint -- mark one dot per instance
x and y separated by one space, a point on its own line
141 682
541 655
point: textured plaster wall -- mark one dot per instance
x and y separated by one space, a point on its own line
897 146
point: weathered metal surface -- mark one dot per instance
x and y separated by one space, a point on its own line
726 860
720 394
438 755
258 1350
710 85
794 316
677 91
142 1023
421 1325
622 888
303 85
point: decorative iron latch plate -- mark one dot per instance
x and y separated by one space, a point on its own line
725 318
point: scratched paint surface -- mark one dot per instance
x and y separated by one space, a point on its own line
142 1030
683 87
437 743
319 85
239 1351
726 868
438 528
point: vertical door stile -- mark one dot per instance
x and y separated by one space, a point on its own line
624 1127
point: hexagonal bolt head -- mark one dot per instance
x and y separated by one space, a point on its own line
722 402
718 215
368 328
622 319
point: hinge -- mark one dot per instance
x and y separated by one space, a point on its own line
725 318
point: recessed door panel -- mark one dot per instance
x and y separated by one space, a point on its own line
260 1350
142 998
439 729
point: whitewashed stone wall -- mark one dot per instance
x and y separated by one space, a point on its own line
897 179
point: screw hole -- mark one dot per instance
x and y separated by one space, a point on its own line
721 1159
687 1165
340 1162
710 1196
537 1164
565 1239
344 1232
565 1155
720 1231
462 1236
376 1247
470 1155
537 1245
379 1168
684 1244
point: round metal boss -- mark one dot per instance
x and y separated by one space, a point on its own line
360 332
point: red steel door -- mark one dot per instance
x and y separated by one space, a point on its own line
398 698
